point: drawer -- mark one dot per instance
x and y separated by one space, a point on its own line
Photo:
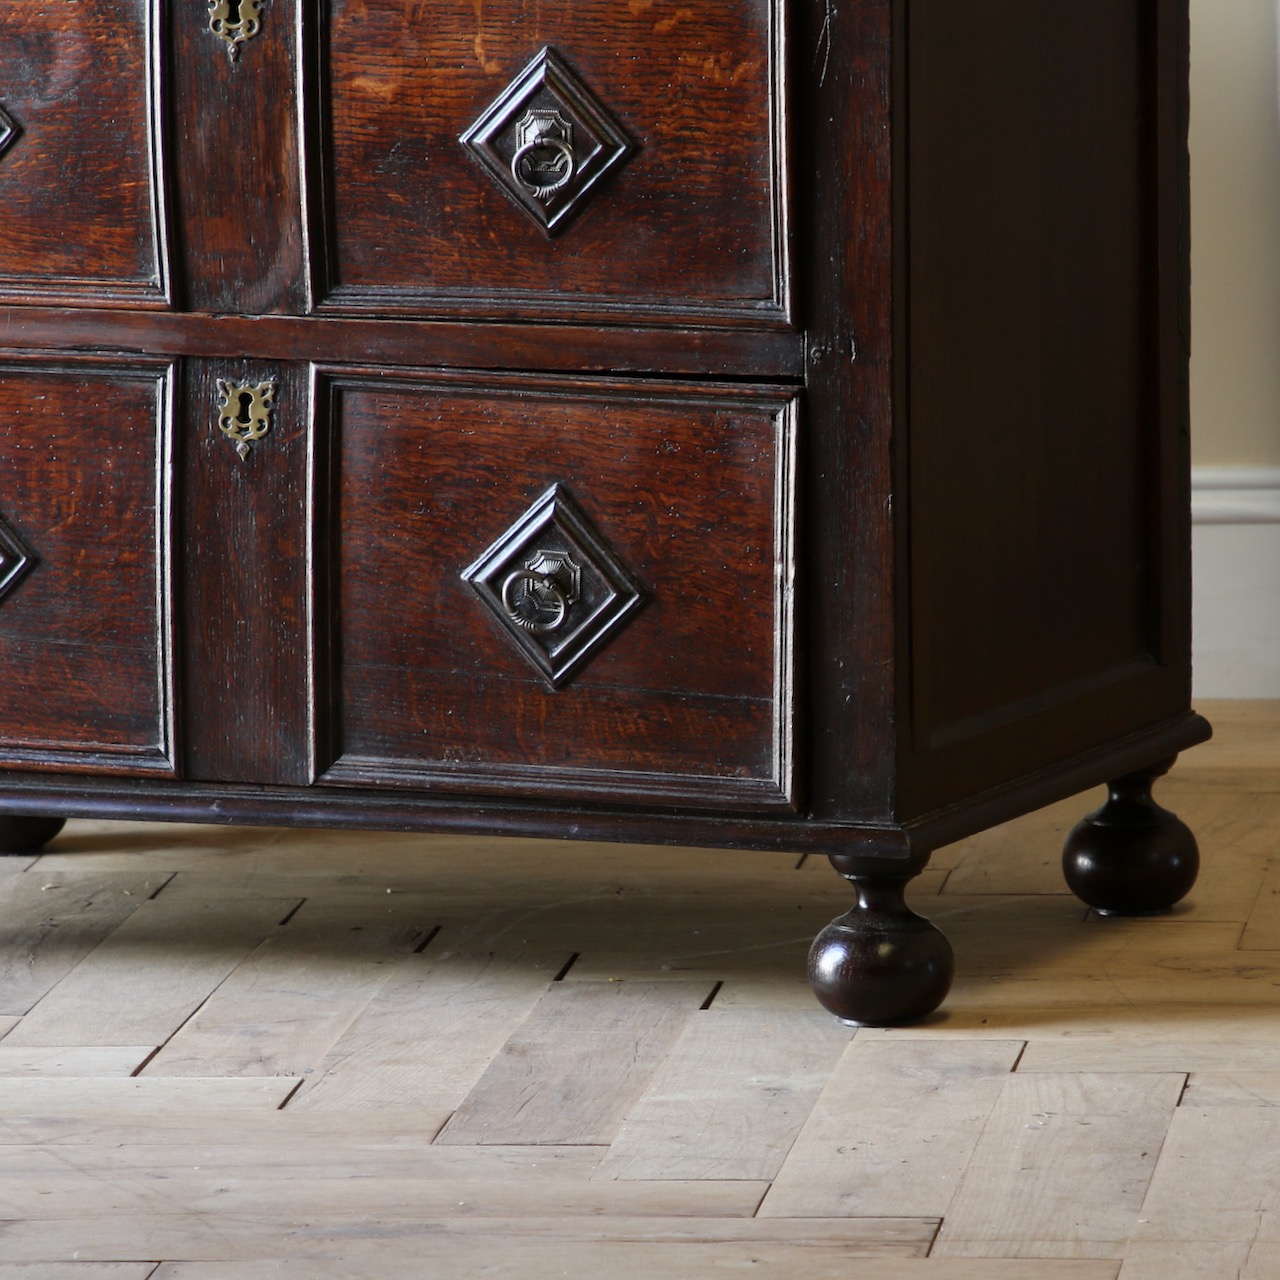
84 592
79 206
558 588
663 121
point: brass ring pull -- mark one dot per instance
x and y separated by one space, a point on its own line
543 166
535 602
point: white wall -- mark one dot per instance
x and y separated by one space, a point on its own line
1235 362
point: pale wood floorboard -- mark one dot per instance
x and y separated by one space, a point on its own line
262 1054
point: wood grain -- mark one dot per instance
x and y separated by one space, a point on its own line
572 1071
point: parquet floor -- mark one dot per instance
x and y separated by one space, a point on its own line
247 1054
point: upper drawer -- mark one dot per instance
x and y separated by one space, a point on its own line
79 205
688 222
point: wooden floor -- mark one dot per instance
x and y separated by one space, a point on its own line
248 1054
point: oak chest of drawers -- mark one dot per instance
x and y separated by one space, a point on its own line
758 423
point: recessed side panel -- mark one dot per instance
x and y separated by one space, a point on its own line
84 578
1047 433
80 200
548 588
532 159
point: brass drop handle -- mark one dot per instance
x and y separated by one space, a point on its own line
544 162
535 602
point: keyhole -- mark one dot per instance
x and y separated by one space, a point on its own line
233 17
244 414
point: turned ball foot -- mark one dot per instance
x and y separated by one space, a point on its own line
27 835
880 964
1131 857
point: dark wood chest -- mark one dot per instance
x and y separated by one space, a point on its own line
757 423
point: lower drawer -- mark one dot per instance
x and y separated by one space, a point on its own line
85 599
554 587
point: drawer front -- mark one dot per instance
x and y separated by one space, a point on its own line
662 121
83 574
541 587
79 206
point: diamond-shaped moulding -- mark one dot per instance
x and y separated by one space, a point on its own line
16 559
547 142
555 586
8 130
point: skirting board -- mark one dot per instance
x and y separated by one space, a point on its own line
1235 555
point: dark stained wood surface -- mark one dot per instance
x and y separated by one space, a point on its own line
1043 439
239 173
690 490
961 421
80 204
83 633
246 639
692 224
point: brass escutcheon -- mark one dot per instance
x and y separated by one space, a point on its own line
235 21
244 412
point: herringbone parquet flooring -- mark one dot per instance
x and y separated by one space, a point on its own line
243 1054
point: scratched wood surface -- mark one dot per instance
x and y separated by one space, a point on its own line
255 1054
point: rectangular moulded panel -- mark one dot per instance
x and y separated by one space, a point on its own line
84 572
689 223
1047 433
663 518
81 206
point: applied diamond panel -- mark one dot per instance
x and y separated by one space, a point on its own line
555 586
8 130
548 142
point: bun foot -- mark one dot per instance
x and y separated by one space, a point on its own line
1131 857
880 964
27 835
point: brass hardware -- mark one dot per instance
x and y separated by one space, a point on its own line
544 161
235 21
556 587
537 597
547 142
244 412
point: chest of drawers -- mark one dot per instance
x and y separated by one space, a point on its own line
758 423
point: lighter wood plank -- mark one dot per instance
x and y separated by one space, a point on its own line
430 1032
1188 1261
300 1156
1217 1180
180 1113
76 1270
508 1258
283 1008
574 1069
1262 932
53 919
1062 1167
1019 857
894 1129
150 975
1243 1088
731 1097
340 1203
75 1097
1154 1037
113 1060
